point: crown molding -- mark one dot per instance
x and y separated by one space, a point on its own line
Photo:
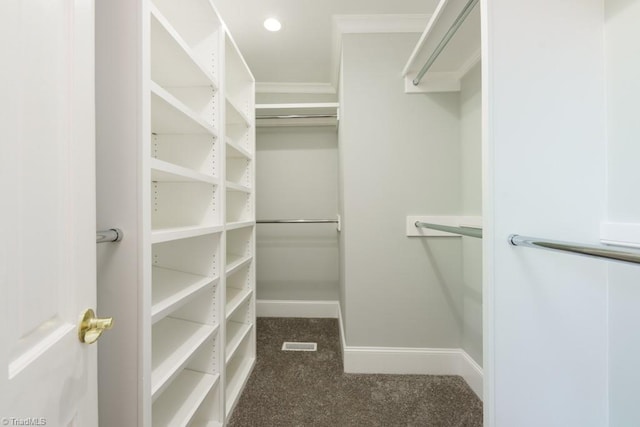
363 24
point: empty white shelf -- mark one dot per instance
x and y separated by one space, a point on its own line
239 224
179 402
175 233
235 150
206 424
168 172
232 186
172 60
236 333
235 298
235 262
237 375
174 342
171 289
170 116
236 115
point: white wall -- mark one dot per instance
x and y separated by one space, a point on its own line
297 177
545 175
471 169
399 156
623 92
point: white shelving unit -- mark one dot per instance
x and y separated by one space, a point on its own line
180 121
460 55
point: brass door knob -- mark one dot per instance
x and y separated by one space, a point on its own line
91 327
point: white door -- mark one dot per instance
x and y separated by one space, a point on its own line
47 212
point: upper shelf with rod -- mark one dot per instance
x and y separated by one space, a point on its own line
310 114
448 48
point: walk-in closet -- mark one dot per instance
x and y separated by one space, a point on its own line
330 213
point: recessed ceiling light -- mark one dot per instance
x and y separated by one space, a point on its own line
272 24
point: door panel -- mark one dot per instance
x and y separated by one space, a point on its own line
47 270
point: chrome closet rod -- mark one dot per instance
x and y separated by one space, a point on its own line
445 40
300 116
297 221
465 231
110 235
596 251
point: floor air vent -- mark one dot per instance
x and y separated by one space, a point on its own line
299 346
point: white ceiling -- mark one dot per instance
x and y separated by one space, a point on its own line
305 51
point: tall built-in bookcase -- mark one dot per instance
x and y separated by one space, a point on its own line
176 168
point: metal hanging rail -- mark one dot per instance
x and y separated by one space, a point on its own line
299 116
462 230
110 235
445 40
297 221
595 251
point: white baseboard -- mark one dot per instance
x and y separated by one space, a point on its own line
290 308
420 361
472 373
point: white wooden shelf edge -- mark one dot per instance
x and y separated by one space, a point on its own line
166 25
233 186
178 404
172 289
236 334
300 122
449 220
174 343
311 107
206 424
237 263
238 297
620 234
239 224
177 233
178 106
169 172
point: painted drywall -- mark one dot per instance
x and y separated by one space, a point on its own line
471 152
545 175
399 156
622 68
297 178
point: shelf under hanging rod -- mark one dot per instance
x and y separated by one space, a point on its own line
110 235
595 251
445 40
462 230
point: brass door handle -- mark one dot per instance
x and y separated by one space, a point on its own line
91 327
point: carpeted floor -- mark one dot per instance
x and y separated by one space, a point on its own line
299 388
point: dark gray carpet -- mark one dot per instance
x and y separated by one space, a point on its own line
310 388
